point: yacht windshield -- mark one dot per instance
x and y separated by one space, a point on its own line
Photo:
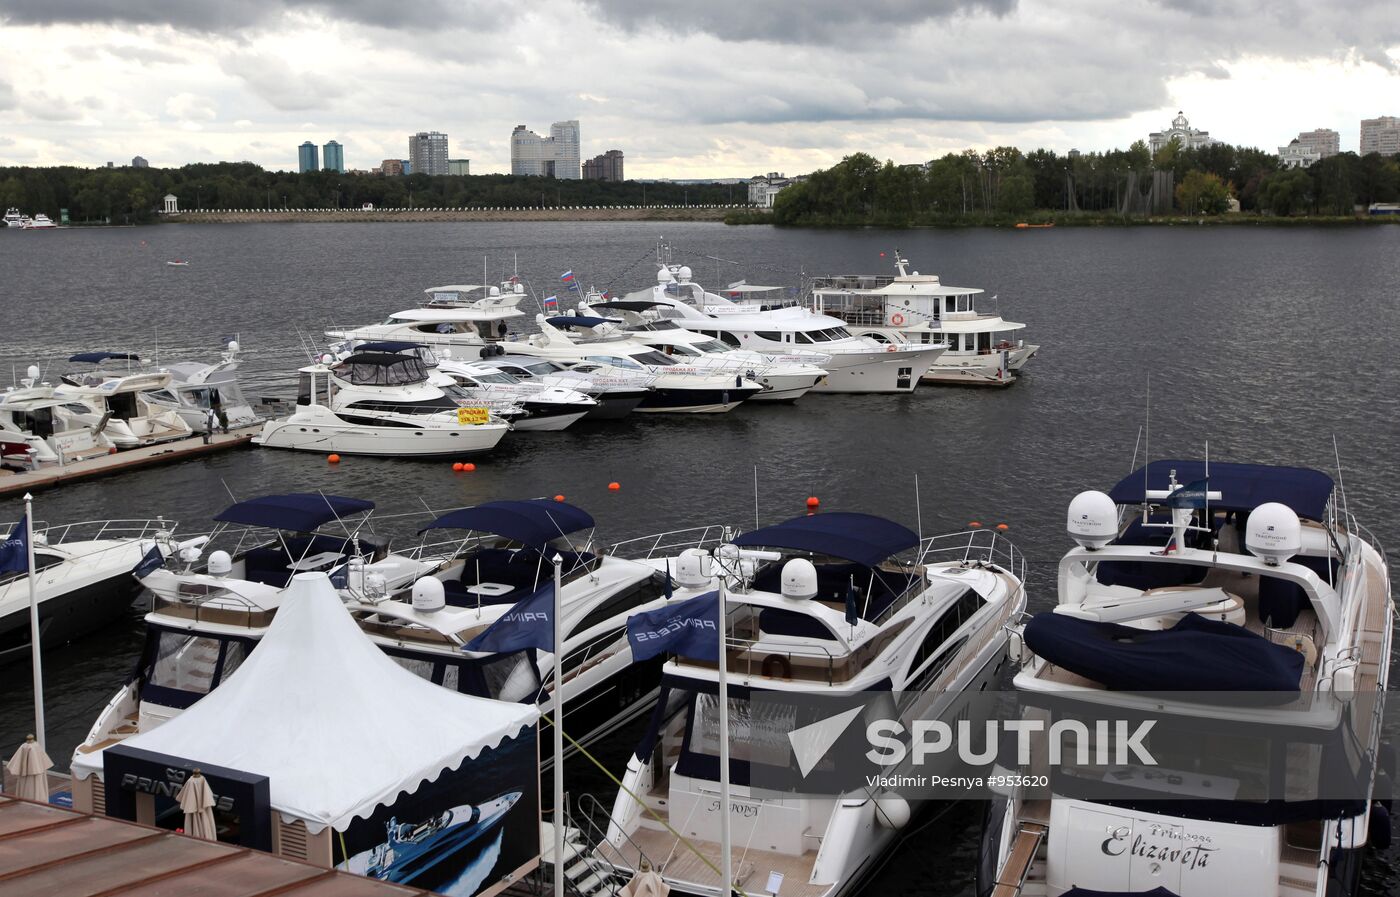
661 325
498 377
543 368
653 358
616 361
381 369
711 346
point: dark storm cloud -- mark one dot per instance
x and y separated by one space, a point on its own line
809 21
231 15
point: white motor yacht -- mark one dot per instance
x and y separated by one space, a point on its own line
464 317
544 407
37 428
13 218
616 392
38 222
854 363
785 378
382 403
83 580
205 622
917 309
113 401
676 387
1244 612
197 388
833 608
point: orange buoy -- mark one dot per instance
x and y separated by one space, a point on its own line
976 524
457 466
813 501
559 497
1003 527
469 467
614 486
333 458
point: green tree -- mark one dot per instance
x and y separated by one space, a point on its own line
1202 193
1286 193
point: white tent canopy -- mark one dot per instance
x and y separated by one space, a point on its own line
336 725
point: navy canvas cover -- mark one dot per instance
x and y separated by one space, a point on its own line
301 512
388 345
535 522
628 304
578 321
863 538
1242 487
1194 655
99 357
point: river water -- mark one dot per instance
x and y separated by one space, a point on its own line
1266 343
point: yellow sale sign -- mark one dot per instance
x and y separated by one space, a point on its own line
473 416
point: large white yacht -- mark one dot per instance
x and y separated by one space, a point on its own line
785 377
113 400
615 391
917 309
83 580
828 608
13 217
38 222
382 403
37 428
422 607
1244 612
853 363
197 388
677 388
464 317
544 407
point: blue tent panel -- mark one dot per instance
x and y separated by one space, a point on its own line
99 357
301 512
388 345
578 321
863 538
1243 487
534 522
1194 655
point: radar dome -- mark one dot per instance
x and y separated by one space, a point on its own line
233 345
693 569
220 564
664 276
1092 520
429 596
1273 533
33 372
684 273
799 579
892 811
495 291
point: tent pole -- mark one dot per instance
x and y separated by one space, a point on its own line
558 729
36 661
727 874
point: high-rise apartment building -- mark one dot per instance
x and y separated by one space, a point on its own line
333 157
1310 147
306 157
459 167
139 162
607 167
554 156
1380 135
427 152
391 167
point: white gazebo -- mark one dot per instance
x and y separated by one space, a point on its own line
172 204
365 765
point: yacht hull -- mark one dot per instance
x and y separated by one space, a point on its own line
616 405
977 370
665 400
785 387
324 432
546 417
83 605
876 372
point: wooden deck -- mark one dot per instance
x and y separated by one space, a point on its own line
680 864
120 462
1018 862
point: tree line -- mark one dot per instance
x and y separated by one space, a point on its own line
134 195
1004 184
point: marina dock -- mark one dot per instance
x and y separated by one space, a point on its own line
48 850
120 462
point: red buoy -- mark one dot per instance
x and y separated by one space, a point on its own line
975 524
559 497
457 466
1003 527
614 486
813 502
333 458
469 467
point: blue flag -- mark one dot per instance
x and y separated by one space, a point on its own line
852 605
14 551
690 629
528 624
340 577
1192 495
151 561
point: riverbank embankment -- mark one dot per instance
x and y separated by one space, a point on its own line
547 213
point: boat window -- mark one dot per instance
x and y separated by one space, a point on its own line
758 732
772 336
164 395
418 406
494 378
610 359
628 599
728 338
185 662
653 358
804 339
599 644
381 369
544 368
984 341
423 669
41 562
306 389
711 345
947 625
689 351
662 325
878 337
511 678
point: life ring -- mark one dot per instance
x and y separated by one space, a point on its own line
896 319
891 348
777 663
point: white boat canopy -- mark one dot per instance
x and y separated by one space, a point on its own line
335 724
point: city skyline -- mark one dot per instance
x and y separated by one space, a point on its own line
193 84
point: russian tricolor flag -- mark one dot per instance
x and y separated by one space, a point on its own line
551 303
567 277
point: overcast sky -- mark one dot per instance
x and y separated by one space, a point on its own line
724 88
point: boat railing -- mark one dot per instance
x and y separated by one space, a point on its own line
986 547
669 543
590 811
92 530
211 603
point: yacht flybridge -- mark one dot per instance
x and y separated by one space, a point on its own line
197 388
1244 611
37 427
826 607
465 317
913 309
382 403
422 607
853 363
112 400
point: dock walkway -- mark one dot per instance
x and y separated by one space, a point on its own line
120 462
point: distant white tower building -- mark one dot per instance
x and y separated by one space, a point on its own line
427 150
1182 132
564 135
555 156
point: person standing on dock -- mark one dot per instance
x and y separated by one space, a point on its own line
210 422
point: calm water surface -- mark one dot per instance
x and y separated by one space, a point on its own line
1265 342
